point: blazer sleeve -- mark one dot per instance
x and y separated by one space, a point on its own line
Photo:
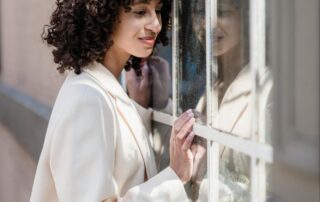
83 147
83 151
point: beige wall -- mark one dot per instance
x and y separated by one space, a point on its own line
27 63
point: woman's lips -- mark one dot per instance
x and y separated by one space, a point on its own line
217 38
147 40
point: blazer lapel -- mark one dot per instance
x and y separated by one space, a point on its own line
127 112
235 102
131 117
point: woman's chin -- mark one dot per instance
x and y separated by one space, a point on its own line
144 54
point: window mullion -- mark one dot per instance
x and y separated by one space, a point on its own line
175 57
257 62
212 101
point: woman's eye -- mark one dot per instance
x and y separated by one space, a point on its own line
140 13
158 11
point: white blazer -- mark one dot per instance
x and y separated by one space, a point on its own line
235 116
96 147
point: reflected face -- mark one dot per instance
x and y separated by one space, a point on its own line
228 26
138 29
227 31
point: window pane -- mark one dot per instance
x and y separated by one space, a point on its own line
161 142
161 71
192 80
234 82
234 176
192 70
233 85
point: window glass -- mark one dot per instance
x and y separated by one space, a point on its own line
161 100
192 69
234 87
191 81
161 72
234 176
161 144
232 51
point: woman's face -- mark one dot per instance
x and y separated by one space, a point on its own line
227 29
137 30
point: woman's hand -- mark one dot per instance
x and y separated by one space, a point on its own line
160 81
139 88
152 89
181 156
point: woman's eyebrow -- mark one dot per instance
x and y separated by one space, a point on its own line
145 2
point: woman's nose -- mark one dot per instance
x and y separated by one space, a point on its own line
155 23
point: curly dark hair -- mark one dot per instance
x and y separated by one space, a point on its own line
80 31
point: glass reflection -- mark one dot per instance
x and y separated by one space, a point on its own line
232 87
192 71
192 80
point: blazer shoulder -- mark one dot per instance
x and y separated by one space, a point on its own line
82 87
81 93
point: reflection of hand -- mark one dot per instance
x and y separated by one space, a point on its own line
160 81
199 149
155 73
181 156
139 88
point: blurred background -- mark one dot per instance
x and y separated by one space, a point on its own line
29 84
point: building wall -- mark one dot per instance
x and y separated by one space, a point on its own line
27 64
29 84
17 169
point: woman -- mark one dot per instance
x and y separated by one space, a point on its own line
96 147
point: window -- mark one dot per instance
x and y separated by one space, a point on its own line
216 72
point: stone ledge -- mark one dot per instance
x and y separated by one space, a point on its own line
25 117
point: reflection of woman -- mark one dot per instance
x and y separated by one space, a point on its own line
231 49
231 44
96 146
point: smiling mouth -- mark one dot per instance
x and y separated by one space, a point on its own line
150 41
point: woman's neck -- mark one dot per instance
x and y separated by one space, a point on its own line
231 63
115 61
229 66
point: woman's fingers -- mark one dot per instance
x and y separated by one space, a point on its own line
186 129
183 118
188 141
181 157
